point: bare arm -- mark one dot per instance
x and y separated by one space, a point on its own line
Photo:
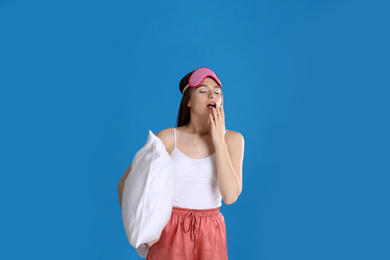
121 184
229 158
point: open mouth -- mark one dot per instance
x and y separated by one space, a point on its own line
211 106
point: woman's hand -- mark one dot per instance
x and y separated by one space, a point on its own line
218 125
151 243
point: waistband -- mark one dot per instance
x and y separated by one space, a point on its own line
199 212
191 222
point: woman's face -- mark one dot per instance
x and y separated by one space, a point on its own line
208 91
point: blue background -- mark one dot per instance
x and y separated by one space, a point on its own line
305 82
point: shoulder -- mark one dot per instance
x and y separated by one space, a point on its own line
167 137
164 133
234 138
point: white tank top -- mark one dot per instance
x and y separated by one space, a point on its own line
196 181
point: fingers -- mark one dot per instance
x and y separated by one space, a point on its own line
218 113
215 115
212 121
219 109
149 244
222 113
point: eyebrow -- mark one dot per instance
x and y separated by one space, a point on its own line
209 86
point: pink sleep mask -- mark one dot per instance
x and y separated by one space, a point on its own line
199 75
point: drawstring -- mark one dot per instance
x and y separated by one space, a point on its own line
190 223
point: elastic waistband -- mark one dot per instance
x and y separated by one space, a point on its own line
201 212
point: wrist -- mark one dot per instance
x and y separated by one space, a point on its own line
221 144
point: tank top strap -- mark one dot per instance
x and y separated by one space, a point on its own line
226 131
174 132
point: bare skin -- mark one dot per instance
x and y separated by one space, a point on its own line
204 135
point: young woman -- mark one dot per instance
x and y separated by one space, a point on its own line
208 159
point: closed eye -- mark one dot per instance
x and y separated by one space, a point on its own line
214 92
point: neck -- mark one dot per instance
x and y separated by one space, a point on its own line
199 125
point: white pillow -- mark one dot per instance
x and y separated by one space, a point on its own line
148 194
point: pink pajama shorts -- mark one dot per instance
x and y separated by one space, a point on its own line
192 234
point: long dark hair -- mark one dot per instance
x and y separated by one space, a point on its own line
183 116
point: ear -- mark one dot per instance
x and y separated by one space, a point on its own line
188 104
